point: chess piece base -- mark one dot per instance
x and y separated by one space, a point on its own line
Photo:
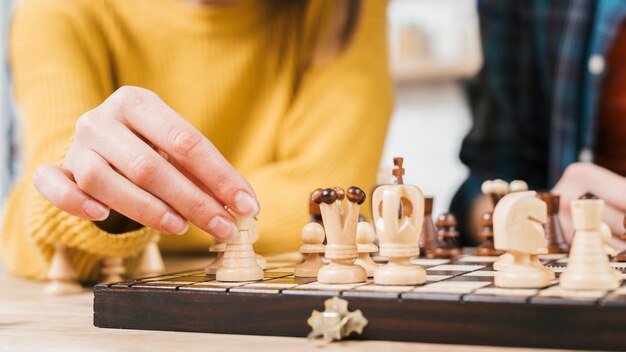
310 267
592 281
560 248
252 273
522 276
503 261
486 249
367 263
400 273
59 288
341 272
217 263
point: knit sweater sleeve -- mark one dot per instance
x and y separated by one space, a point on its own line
60 69
333 134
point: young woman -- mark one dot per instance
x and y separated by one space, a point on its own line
144 116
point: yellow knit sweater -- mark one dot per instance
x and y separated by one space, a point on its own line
233 72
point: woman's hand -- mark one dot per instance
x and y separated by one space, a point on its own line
137 156
581 178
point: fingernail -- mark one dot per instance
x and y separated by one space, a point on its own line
173 223
95 210
246 205
222 228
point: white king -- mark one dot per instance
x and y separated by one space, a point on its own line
398 216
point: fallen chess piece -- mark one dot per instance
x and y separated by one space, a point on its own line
518 229
313 238
588 267
365 237
336 321
398 216
63 275
340 227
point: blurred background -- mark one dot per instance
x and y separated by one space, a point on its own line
433 45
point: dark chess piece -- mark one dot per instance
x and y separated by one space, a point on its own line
621 256
448 236
486 231
428 240
552 227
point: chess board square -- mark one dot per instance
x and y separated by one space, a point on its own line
556 294
452 286
269 285
329 287
276 265
435 278
426 262
557 269
381 288
483 273
456 267
285 270
497 294
167 285
477 259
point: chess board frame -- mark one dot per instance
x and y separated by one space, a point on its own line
458 305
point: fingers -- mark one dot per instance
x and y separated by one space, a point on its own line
612 216
95 177
580 178
182 142
57 186
150 172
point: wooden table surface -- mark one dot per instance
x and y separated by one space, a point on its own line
31 321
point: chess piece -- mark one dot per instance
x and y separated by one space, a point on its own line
113 269
518 228
495 190
621 256
150 262
62 273
218 247
399 235
254 236
315 213
365 237
588 267
487 248
428 238
552 227
340 227
313 238
240 262
448 237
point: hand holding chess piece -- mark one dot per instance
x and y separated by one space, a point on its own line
313 236
365 237
340 227
518 228
398 215
62 273
588 267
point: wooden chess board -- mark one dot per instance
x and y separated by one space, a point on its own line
458 304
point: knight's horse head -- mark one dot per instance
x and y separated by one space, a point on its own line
518 222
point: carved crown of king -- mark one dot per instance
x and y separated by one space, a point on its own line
339 223
398 215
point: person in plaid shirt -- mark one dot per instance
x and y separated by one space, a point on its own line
549 106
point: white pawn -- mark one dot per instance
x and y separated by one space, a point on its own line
313 237
518 228
113 269
63 274
150 262
217 247
365 237
254 236
588 267
240 262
